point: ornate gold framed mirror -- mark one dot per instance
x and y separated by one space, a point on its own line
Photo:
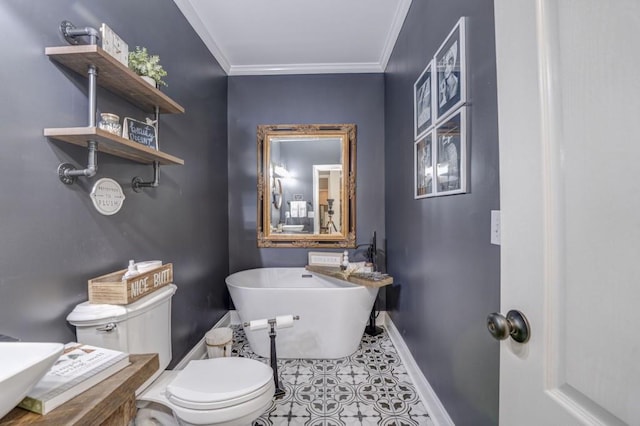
307 185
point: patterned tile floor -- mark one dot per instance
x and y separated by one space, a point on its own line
370 387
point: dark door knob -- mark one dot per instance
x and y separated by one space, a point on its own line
515 325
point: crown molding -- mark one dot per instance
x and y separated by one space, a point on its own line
194 20
398 21
279 69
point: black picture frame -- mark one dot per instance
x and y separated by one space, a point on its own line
142 133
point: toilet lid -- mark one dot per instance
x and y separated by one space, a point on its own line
219 382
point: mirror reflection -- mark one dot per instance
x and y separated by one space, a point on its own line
307 180
309 171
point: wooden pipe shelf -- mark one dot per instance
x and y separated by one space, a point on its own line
112 144
107 72
114 76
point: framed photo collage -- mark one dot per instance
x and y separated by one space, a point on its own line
440 117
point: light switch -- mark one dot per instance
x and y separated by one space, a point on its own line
495 227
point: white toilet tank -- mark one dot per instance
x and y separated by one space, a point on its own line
141 327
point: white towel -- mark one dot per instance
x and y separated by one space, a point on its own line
298 209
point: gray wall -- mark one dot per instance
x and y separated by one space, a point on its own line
447 274
347 98
51 238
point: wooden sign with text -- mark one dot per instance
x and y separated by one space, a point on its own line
112 289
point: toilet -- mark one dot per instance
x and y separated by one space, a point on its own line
228 391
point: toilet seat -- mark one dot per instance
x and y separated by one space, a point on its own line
213 384
203 382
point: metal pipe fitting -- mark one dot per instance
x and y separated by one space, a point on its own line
137 183
70 32
93 80
68 173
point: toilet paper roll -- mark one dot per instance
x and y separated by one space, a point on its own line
258 324
284 321
218 336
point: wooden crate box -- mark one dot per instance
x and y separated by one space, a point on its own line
112 289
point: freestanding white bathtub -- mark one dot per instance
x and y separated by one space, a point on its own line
333 313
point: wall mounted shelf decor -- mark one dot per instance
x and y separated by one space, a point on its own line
114 76
106 71
112 144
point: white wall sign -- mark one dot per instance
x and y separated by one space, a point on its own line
107 196
319 258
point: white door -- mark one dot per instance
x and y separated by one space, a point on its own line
569 127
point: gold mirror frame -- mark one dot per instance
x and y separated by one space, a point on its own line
344 239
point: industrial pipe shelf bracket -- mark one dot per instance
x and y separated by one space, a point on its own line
137 183
67 172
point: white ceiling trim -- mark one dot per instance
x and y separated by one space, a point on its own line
199 27
392 37
332 68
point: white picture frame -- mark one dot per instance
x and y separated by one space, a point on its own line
450 68
423 165
423 101
450 154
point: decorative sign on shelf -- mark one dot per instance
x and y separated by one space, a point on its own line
320 258
114 45
114 289
142 133
107 196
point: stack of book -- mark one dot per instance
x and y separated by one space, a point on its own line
79 368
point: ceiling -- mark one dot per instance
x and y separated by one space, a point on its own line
258 37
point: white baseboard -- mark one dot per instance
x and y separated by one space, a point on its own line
199 351
235 317
434 407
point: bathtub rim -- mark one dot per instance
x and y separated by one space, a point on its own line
340 284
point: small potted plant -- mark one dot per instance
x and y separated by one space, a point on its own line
146 65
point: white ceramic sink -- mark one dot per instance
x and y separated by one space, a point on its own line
292 228
22 365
